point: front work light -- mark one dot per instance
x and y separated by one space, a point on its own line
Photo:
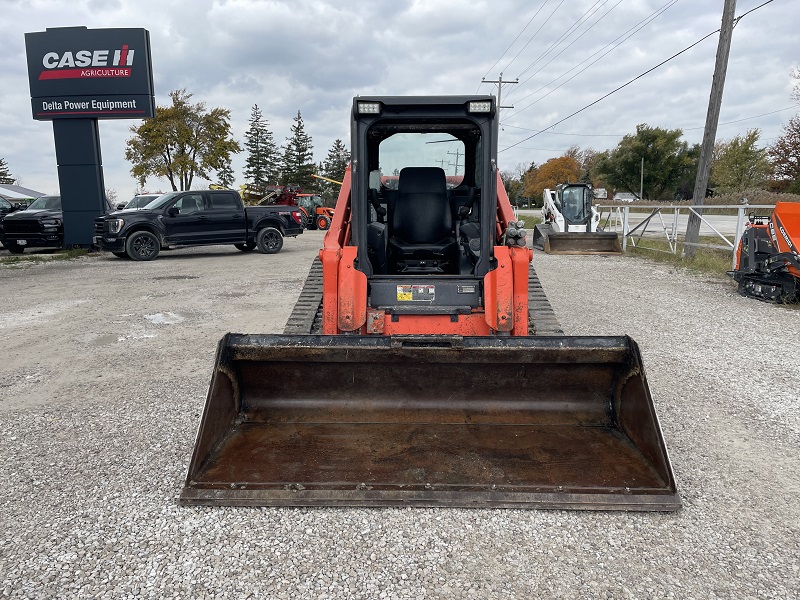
369 108
482 106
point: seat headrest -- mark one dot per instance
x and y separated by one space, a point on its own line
414 180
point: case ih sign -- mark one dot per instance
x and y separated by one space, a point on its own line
75 72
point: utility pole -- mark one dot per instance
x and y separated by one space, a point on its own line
641 182
457 154
712 119
441 162
500 83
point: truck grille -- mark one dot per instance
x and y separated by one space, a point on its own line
98 228
18 226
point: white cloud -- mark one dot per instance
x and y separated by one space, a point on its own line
315 55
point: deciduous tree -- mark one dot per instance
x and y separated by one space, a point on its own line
181 142
563 169
669 163
785 155
513 181
738 164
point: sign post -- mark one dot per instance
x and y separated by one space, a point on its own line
77 76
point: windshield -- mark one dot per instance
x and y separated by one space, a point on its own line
308 202
141 201
46 203
575 203
421 150
4 203
161 201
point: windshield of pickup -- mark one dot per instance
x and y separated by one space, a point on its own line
161 201
46 203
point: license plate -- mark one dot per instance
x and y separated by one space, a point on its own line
22 242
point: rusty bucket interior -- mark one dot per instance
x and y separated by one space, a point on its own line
559 422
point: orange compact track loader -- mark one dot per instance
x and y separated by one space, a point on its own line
423 365
768 256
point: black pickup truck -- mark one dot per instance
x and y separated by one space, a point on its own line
195 218
40 225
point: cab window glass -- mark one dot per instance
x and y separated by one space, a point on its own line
223 202
190 204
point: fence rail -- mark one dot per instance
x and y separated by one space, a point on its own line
637 224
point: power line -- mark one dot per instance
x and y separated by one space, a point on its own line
742 119
515 40
615 90
567 47
534 35
626 35
632 80
566 35
619 135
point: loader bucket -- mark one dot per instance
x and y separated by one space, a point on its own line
558 422
599 242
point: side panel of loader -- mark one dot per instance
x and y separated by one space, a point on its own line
560 422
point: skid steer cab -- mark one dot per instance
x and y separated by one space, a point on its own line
571 225
415 248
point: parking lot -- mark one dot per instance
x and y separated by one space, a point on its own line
103 374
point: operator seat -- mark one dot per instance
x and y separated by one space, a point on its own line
421 237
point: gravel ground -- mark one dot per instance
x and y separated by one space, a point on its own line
103 376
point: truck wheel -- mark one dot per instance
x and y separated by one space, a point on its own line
245 247
323 222
14 247
142 245
269 240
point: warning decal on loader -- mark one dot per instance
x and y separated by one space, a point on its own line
416 293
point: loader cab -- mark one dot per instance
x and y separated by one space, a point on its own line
421 170
575 203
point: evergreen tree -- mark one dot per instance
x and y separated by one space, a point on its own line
5 174
225 176
261 166
298 158
333 168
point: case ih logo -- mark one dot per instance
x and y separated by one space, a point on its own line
87 64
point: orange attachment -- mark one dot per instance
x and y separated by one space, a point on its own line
785 229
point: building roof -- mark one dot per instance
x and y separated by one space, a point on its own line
17 192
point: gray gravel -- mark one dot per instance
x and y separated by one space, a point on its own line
103 376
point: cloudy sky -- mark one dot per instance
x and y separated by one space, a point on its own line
315 55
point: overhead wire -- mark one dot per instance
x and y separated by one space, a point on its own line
555 10
512 43
626 35
539 70
619 135
591 11
614 91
